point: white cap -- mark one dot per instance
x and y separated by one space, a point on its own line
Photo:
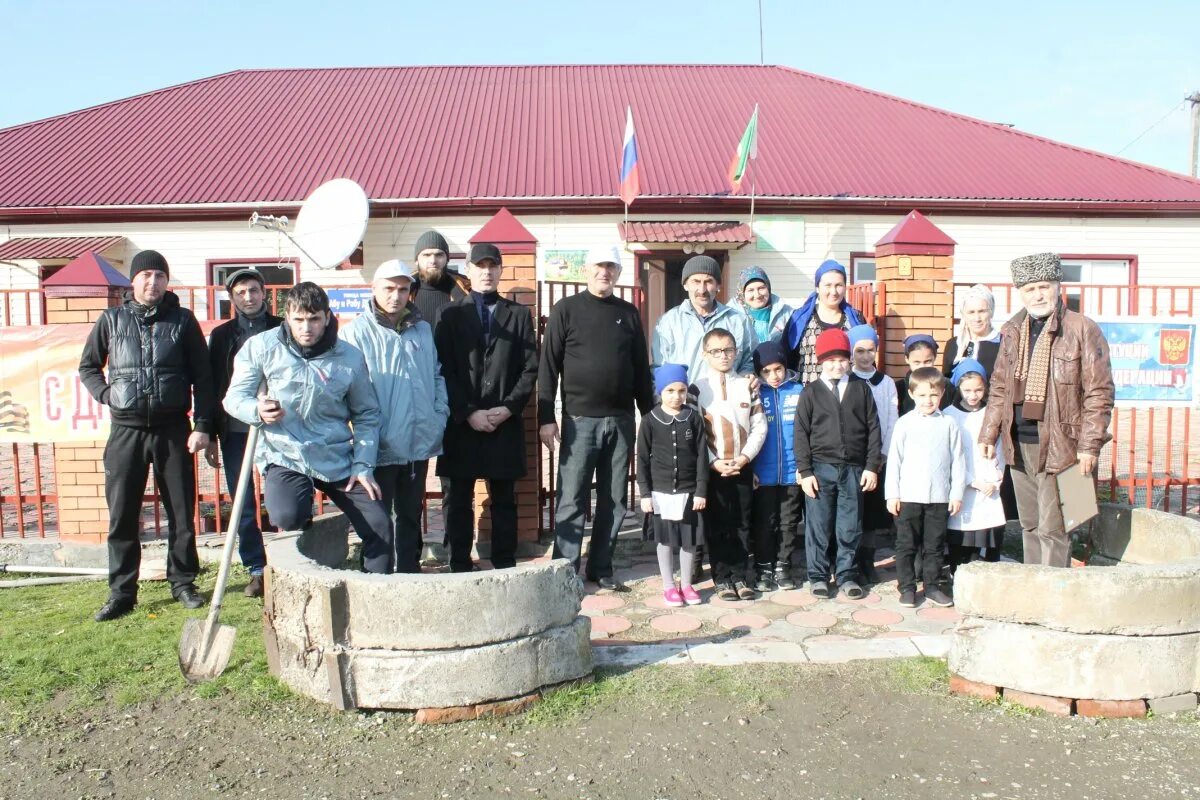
604 255
395 269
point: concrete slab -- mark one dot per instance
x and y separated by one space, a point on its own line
734 653
839 652
641 655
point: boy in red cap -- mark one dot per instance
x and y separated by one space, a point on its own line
838 456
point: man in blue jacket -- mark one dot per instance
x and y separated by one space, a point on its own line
398 345
680 330
320 422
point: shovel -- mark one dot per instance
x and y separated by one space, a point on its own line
205 645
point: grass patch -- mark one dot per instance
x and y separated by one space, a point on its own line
54 651
922 675
751 686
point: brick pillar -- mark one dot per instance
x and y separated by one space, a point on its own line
79 466
914 262
518 282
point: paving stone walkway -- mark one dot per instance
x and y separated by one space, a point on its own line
636 627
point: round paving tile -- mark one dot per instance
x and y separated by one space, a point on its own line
675 623
940 614
876 616
656 602
752 621
707 583
603 625
897 635
871 599
812 619
829 637
716 601
601 602
797 598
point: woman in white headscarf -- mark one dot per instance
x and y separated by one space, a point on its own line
977 338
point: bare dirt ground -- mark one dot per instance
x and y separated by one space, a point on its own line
853 731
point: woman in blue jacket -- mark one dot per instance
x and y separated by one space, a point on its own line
825 308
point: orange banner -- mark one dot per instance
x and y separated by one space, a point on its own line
41 396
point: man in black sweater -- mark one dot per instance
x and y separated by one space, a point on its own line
595 347
438 286
155 357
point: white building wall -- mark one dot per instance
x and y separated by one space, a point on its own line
1168 250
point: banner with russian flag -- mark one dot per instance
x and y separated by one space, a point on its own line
630 185
747 149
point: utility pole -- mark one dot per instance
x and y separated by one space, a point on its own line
1194 99
762 58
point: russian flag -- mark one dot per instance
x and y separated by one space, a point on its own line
629 161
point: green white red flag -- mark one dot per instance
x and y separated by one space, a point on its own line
747 149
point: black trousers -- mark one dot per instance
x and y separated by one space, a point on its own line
920 529
289 500
127 459
776 526
459 513
727 524
403 488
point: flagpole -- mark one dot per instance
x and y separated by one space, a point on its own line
754 170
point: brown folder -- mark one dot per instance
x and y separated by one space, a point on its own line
1077 496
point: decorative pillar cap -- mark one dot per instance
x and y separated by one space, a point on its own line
915 235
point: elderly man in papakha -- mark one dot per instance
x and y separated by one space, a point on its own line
1050 402
680 330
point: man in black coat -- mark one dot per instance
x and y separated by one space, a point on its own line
247 293
156 358
438 285
489 359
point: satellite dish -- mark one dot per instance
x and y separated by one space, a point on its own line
331 223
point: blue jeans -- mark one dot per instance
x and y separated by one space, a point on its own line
250 541
834 515
590 446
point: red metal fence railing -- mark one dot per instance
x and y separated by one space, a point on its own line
1151 460
22 307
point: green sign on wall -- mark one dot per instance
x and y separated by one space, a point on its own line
779 234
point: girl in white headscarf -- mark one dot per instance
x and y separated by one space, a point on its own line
977 338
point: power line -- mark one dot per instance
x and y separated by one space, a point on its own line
1152 127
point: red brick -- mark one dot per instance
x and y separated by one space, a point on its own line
981 691
1111 709
504 708
78 491
442 716
90 478
1059 706
62 317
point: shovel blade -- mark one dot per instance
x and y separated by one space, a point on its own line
204 654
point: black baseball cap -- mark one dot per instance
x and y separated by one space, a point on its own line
241 275
482 251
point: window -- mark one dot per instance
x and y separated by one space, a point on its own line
862 268
1096 284
275 273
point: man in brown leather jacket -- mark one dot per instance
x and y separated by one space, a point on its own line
1049 403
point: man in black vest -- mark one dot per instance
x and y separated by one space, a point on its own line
247 293
489 359
156 358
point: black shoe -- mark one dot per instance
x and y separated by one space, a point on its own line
938 597
853 590
908 598
744 592
820 589
188 596
725 591
255 587
783 579
610 583
765 582
114 608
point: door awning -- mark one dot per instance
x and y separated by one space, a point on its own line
686 232
49 247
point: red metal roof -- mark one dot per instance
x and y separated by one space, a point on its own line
684 232
55 246
89 269
503 228
484 135
915 228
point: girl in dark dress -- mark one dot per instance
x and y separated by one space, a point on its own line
672 475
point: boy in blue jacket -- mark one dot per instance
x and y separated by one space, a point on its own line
777 499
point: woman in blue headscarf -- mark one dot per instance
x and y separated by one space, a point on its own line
825 308
766 311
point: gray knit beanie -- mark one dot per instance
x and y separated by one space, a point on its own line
431 240
701 265
1035 268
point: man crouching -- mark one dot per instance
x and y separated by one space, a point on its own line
307 390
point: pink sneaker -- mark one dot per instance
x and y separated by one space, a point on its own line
691 596
673 598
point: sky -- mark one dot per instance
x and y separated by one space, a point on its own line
1108 76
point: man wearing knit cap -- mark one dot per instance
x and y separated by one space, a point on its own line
594 346
439 285
1050 402
680 330
146 360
